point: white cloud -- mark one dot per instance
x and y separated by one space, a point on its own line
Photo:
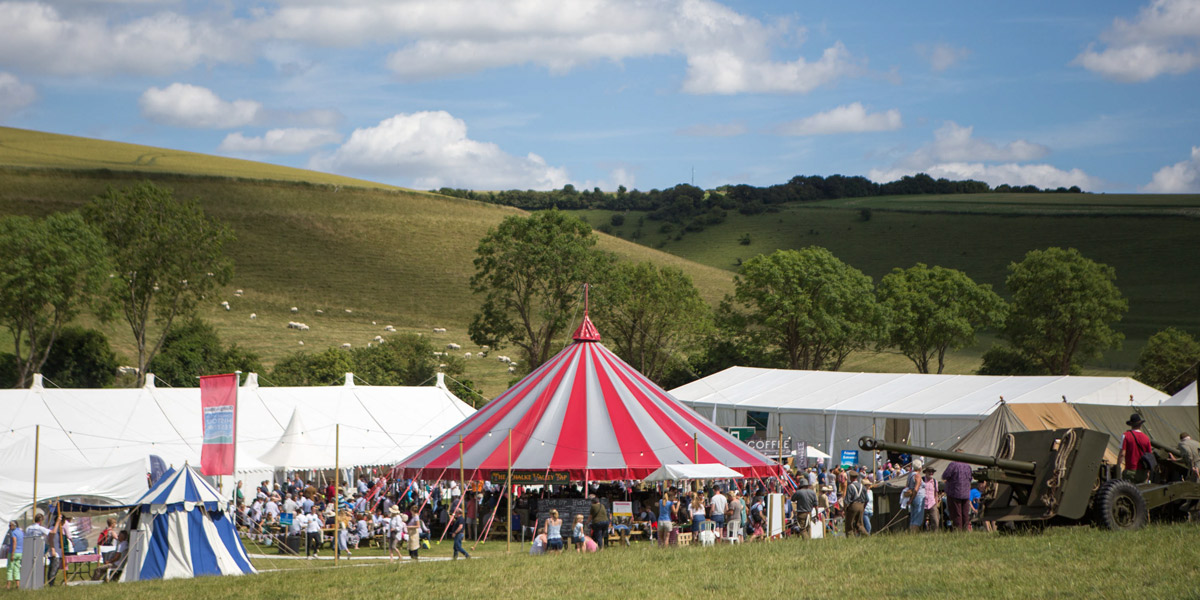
1162 39
726 52
185 105
732 129
851 118
14 95
432 150
1180 178
37 36
279 141
942 56
956 154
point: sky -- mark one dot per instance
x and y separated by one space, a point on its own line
537 94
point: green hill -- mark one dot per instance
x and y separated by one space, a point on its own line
366 255
1151 240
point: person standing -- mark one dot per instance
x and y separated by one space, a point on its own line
397 531
414 534
803 503
697 513
855 500
719 504
958 493
933 500
460 527
666 518
915 494
14 546
599 521
312 533
472 515
1134 444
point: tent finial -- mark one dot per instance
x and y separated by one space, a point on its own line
585 299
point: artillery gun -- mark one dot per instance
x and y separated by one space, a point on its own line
1057 476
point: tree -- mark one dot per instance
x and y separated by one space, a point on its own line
530 271
934 309
1063 307
50 270
1168 361
194 348
168 255
328 367
1003 359
652 314
811 306
81 358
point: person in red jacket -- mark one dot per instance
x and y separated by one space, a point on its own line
1134 444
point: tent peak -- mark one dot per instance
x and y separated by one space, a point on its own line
587 332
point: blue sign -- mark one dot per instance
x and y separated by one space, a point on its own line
850 457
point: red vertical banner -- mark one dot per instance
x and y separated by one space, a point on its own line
218 408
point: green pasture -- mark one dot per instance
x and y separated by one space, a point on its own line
1160 561
1156 252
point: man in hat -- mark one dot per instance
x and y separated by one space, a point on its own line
1134 444
855 500
396 532
804 501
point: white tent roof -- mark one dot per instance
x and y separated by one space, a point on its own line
900 395
297 449
1184 397
693 471
91 429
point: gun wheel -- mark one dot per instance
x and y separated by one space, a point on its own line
1120 506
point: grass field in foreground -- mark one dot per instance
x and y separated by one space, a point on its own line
1161 561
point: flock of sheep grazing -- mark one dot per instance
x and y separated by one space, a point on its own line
379 339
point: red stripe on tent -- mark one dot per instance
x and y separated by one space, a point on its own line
634 449
711 431
571 450
524 428
674 432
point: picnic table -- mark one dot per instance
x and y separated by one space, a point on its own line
79 566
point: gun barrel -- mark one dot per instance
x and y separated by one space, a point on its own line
1020 466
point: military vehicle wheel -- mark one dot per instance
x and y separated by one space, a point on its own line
1119 505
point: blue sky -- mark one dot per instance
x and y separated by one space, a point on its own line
486 94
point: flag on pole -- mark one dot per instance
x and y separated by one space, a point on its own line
218 405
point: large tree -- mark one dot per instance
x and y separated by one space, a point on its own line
813 307
50 270
193 348
935 309
1168 362
168 254
531 271
1063 308
651 315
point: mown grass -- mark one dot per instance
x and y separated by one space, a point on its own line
1151 241
390 256
1160 561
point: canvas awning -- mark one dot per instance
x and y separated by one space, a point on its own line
693 471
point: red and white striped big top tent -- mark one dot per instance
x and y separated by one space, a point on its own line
588 413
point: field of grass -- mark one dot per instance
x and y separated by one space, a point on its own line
1151 241
366 257
1160 561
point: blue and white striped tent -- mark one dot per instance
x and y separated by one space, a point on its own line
185 532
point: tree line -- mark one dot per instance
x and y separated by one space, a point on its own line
800 309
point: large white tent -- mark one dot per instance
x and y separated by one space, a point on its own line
86 435
832 409
1184 397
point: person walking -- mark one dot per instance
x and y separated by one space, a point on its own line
599 520
933 500
312 533
666 518
1134 444
14 546
958 493
460 526
855 500
803 503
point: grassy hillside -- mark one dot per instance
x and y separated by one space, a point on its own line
389 257
1151 241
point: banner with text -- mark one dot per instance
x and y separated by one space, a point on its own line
531 477
218 406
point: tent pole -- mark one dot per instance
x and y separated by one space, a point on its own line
37 444
874 453
337 481
462 474
508 490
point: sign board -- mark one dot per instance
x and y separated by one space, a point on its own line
741 433
769 445
531 477
567 508
622 508
285 519
850 457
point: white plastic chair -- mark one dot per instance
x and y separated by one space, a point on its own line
708 533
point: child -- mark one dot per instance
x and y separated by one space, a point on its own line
577 534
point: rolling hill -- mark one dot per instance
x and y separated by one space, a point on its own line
364 254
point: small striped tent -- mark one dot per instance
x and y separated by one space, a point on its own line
184 532
588 413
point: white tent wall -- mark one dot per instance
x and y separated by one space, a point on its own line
95 429
830 410
1185 397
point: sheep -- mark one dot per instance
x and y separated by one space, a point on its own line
346 346
236 292
295 310
125 370
453 346
374 323
484 348
320 312
439 354
379 339
504 359
348 311
467 355
253 316
295 325
512 369
439 330
483 354
301 342
225 305
389 328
